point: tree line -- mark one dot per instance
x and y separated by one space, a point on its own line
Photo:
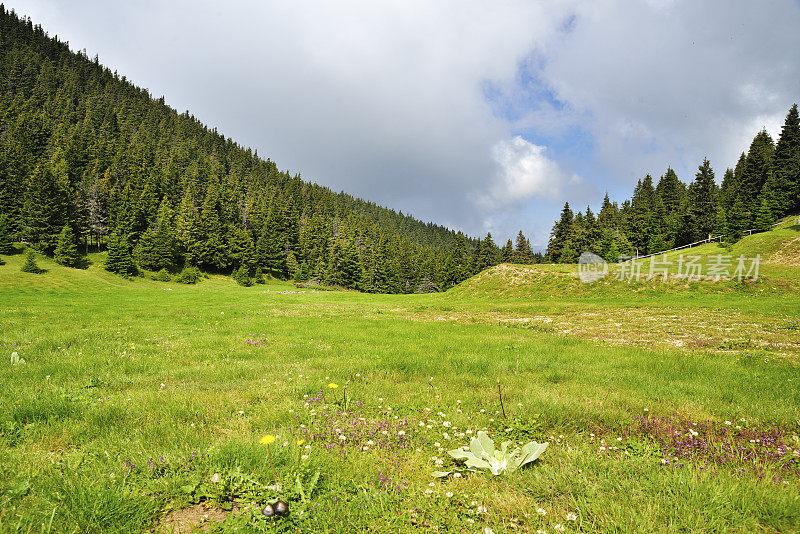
762 187
90 162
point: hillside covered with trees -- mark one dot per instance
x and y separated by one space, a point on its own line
762 187
88 161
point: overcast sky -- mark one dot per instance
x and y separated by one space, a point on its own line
483 116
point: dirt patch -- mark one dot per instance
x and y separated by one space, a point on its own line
788 254
193 518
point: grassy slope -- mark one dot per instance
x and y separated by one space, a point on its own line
123 371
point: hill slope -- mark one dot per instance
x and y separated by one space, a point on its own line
83 147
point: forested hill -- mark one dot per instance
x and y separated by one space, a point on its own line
89 158
762 187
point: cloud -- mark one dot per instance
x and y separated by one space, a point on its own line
524 172
671 82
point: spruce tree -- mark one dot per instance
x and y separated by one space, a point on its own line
559 236
119 259
757 168
66 252
699 218
770 206
787 165
522 250
30 265
507 252
5 235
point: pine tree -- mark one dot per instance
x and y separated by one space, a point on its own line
770 206
699 218
559 236
5 235
642 220
609 214
487 255
44 210
507 252
757 168
268 251
787 165
119 259
522 250
66 252
30 265
457 266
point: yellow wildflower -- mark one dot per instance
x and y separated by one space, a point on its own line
266 440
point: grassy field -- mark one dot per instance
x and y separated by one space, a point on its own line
668 406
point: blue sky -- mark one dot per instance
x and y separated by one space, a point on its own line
483 116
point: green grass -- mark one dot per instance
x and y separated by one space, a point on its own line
134 393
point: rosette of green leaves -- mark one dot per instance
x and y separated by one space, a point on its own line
482 456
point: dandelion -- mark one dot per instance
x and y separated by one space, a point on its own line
333 385
266 440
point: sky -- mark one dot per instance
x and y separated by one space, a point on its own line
481 116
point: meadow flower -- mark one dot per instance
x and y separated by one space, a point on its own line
572 517
333 385
541 511
448 494
300 442
267 439
559 527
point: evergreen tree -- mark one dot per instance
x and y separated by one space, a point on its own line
757 168
457 266
30 265
770 204
522 249
44 210
699 218
119 259
66 252
786 184
487 255
5 235
559 236
507 252
609 214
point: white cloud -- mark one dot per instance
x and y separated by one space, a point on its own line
524 172
670 82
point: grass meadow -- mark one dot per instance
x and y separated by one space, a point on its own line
668 406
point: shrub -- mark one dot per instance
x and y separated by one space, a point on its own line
189 275
162 276
242 276
30 265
